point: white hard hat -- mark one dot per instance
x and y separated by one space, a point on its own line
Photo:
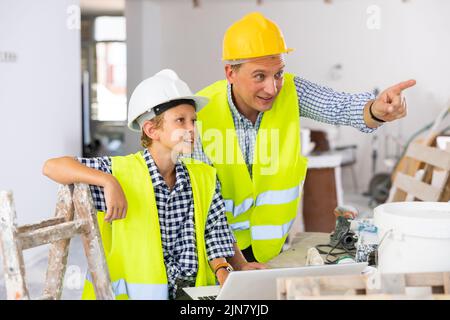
165 86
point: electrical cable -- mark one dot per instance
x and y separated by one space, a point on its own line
333 248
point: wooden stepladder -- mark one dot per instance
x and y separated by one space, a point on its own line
75 215
406 187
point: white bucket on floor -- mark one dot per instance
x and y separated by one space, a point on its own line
414 236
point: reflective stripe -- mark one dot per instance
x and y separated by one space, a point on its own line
240 209
271 232
228 205
278 196
240 225
138 291
268 197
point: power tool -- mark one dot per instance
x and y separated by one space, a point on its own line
343 237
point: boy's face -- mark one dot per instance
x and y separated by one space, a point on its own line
177 132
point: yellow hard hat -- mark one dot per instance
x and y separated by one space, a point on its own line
251 37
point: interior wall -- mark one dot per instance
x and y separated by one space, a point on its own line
40 107
378 43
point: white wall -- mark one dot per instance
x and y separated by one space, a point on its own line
40 108
413 42
144 49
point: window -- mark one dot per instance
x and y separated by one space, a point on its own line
109 100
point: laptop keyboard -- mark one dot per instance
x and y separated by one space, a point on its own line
207 298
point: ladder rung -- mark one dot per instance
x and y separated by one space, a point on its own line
42 224
67 222
51 234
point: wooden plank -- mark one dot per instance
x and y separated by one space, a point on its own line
319 287
373 297
92 243
392 286
373 283
12 254
396 195
51 234
445 194
428 173
417 188
434 156
424 279
311 285
393 283
42 224
446 282
351 297
281 289
336 283
59 251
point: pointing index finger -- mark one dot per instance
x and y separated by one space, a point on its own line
398 88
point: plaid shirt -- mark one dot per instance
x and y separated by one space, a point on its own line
316 102
176 219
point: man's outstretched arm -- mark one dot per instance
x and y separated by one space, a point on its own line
323 104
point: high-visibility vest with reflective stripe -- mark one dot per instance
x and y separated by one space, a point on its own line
260 210
133 247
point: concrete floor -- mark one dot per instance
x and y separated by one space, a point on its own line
360 202
36 260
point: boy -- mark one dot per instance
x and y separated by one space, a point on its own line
165 218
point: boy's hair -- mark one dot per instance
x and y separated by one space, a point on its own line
146 141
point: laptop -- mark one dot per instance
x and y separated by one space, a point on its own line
262 284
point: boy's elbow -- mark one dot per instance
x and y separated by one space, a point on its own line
47 167
51 165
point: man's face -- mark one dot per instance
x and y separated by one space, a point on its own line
256 83
177 132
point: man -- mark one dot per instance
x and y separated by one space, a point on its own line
250 131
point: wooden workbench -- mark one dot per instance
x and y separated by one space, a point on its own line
295 256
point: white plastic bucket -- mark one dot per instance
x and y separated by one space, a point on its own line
414 236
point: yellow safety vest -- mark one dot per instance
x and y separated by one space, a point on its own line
260 210
133 246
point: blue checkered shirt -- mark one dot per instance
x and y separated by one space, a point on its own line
176 219
315 101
